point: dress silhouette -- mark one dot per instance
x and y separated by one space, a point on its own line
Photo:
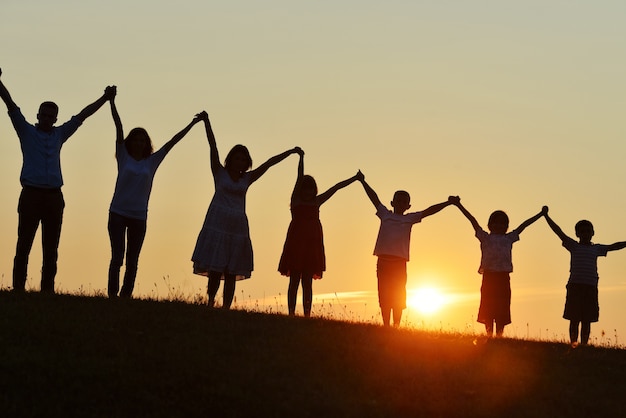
224 241
304 246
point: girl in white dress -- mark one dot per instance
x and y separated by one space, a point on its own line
223 250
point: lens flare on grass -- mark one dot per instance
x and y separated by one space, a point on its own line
427 300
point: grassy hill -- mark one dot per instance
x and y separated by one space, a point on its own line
93 357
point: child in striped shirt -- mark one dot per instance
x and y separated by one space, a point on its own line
581 302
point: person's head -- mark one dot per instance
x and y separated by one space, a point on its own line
47 116
401 201
138 144
238 159
498 222
584 230
307 189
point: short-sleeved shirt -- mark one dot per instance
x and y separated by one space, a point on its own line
394 234
41 151
496 251
584 261
134 182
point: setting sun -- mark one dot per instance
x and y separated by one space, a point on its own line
426 300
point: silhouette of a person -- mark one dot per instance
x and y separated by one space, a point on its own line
495 266
223 248
392 249
136 166
41 199
303 258
581 302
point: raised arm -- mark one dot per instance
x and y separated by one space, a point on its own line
299 177
180 135
109 93
330 192
531 220
215 156
119 131
260 170
468 215
370 192
6 97
557 229
436 208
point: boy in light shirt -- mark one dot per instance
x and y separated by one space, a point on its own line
392 249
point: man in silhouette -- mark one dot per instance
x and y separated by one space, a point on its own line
41 199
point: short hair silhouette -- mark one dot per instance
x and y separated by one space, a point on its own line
498 216
404 193
580 225
50 105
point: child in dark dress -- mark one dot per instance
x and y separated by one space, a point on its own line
303 257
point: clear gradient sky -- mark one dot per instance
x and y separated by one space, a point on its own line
510 105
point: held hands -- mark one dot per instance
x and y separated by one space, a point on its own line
360 176
110 92
544 211
202 116
298 150
454 200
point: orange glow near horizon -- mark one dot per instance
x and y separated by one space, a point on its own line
427 300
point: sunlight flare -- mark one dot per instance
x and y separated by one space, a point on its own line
426 300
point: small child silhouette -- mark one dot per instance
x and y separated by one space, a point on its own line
495 265
392 249
303 257
581 302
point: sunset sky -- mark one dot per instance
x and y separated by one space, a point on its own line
510 105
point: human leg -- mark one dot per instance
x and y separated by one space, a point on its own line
397 316
573 331
489 328
385 312
398 289
307 293
495 302
51 221
215 277
229 290
391 274
585 331
28 222
136 235
117 232
292 292
499 329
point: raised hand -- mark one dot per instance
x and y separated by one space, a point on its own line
454 200
110 92
204 116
